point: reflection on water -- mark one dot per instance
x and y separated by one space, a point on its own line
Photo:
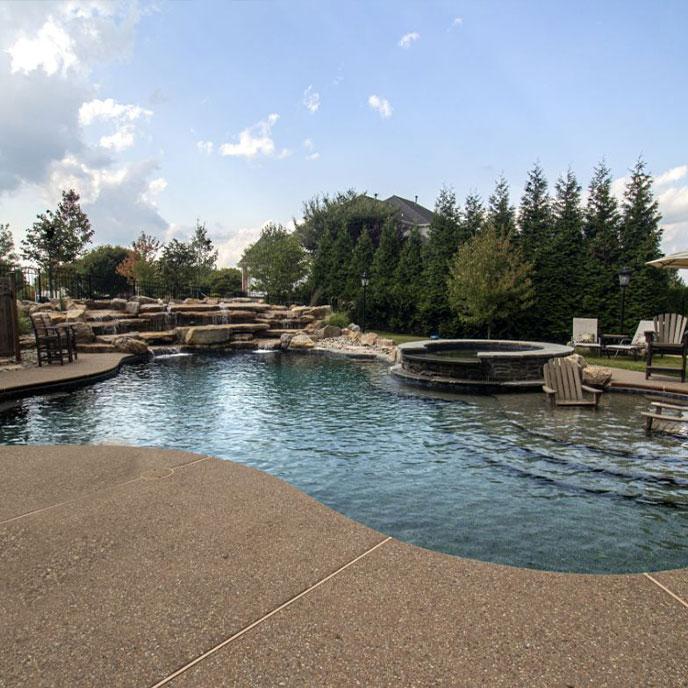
505 479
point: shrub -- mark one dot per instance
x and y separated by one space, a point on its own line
338 319
24 324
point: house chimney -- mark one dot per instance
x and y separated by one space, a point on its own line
416 199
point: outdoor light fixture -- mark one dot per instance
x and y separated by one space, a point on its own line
364 284
624 281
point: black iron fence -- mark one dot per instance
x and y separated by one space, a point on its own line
34 284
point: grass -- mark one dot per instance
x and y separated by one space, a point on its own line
627 362
398 338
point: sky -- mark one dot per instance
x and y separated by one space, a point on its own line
161 113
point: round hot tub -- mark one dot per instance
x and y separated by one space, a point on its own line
476 365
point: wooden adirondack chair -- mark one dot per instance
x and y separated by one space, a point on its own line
669 337
564 384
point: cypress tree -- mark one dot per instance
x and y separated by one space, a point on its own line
342 248
641 237
500 212
443 242
382 274
567 256
602 252
535 235
473 217
408 282
361 261
323 266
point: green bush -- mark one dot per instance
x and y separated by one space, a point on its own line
24 324
338 319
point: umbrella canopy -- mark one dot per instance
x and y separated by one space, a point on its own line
674 260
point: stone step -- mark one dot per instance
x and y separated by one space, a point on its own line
278 332
166 337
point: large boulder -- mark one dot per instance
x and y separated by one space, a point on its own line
143 299
353 327
596 376
369 339
207 335
301 341
129 345
578 360
83 332
385 343
285 340
118 304
76 312
329 332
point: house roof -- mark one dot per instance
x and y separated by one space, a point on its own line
411 213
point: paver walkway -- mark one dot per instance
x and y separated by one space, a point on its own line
124 566
657 383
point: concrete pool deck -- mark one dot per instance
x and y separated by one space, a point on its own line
125 566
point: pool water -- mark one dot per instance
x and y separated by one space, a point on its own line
504 479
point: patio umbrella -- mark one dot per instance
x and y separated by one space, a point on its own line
674 260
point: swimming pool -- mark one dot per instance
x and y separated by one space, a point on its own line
504 479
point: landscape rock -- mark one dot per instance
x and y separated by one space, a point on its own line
142 299
129 345
285 340
578 359
207 335
329 332
385 343
76 312
353 327
118 304
369 339
133 307
596 376
83 332
301 341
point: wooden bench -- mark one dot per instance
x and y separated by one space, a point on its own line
665 417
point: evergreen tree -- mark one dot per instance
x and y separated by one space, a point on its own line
535 234
641 237
600 295
566 257
382 276
473 217
58 237
500 212
443 241
322 268
361 262
408 284
8 258
342 248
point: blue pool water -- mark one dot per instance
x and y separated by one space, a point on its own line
503 479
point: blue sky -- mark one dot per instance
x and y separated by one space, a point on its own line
238 112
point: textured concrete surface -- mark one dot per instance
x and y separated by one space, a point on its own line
122 566
87 366
657 383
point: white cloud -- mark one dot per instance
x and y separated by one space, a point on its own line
408 39
122 139
311 100
672 175
231 243
110 109
254 141
205 147
381 105
52 49
311 153
456 22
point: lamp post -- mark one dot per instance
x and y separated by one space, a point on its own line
624 279
364 284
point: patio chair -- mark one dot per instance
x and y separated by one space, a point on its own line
666 417
633 346
585 333
51 345
564 384
669 337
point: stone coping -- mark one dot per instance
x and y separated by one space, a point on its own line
126 566
512 348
